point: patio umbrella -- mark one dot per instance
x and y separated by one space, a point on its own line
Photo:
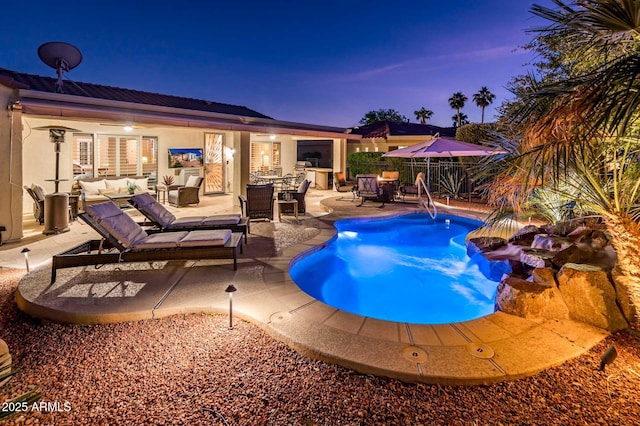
442 147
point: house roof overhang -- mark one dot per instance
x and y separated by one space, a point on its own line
51 105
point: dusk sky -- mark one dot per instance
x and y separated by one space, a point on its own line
325 62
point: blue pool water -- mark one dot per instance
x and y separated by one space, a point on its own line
409 268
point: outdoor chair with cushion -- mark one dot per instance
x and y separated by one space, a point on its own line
182 195
258 203
38 202
164 221
368 189
342 185
300 177
123 240
412 189
295 195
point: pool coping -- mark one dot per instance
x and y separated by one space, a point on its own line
486 350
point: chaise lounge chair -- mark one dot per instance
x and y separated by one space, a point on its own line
165 221
125 241
342 185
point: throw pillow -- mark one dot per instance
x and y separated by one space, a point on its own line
116 183
91 188
192 181
142 184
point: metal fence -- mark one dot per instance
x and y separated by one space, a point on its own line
445 178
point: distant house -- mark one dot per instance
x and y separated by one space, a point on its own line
126 132
386 136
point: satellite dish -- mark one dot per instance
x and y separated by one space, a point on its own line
60 56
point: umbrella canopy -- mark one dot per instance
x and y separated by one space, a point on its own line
443 147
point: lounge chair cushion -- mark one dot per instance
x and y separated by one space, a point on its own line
222 219
160 240
214 237
140 200
163 216
117 223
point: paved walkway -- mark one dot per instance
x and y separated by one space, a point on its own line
493 348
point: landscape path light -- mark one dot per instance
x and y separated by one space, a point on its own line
25 251
231 289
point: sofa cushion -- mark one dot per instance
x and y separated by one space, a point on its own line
108 191
116 184
91 188
142 184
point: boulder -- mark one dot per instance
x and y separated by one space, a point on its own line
483 244
550 242
544 276
536 258
590 296
525 236
530 299
604 258
623 285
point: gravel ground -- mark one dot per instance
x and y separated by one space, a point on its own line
191 370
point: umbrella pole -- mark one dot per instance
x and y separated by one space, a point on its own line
429 174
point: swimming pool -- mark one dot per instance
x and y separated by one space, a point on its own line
408 268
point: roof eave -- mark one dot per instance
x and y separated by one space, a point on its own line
71 106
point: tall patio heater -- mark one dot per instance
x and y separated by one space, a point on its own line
62 57
56 205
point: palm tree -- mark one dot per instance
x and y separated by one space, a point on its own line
423 115
483 99
459 119
457 102
579 124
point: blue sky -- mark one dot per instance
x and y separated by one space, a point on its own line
325 62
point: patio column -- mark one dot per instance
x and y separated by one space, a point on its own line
242 145
11 173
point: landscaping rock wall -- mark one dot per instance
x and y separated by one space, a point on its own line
566 271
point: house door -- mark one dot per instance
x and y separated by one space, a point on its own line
213 170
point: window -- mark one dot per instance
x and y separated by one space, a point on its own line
115 156
265 156
82 155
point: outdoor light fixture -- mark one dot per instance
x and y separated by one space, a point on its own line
608 357
272 137
128 128
25 252
231 289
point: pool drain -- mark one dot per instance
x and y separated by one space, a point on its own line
280 317
480 350
414 354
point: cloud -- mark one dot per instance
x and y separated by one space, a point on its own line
435 62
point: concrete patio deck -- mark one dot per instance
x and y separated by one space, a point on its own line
490 349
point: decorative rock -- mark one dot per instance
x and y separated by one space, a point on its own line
623 285
550 242
604 258
537 258
544 276
525 236
590 296
530 300
482 244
